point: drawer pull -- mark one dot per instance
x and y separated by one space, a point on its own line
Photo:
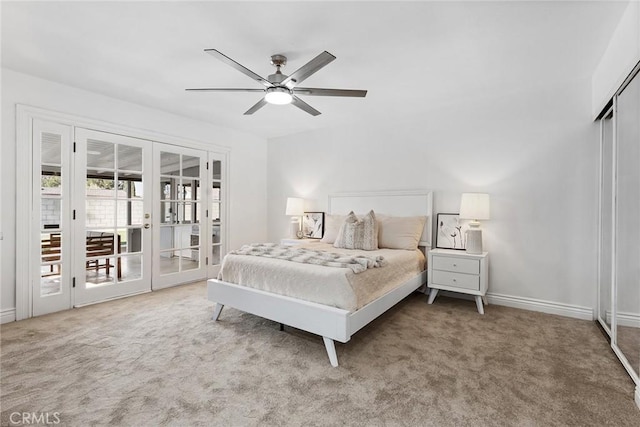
454 280
455 265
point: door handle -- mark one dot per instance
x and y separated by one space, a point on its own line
147 226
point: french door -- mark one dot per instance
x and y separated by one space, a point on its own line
113 215
51 223
179 237
112 244
216 213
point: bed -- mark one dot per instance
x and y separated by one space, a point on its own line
336 314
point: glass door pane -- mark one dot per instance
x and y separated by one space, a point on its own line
52 151
113 171
178 244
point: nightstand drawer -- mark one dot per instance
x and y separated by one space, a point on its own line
458 280
459 265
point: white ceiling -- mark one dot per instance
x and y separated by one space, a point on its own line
413 57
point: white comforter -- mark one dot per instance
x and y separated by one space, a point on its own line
337 287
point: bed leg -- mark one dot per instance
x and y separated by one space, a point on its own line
281 327
331 351
217 311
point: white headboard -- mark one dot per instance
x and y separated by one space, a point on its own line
396 203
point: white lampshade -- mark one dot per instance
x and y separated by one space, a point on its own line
295 206
474 206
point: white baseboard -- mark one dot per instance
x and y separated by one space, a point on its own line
638 396
567 310
628 319
625 319
549 307
7 315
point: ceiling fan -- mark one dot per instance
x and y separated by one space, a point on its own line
280 89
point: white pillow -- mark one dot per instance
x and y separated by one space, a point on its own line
400 232
332 224
358 233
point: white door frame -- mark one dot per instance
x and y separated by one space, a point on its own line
25 115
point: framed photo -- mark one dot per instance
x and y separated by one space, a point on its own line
313 225
451 231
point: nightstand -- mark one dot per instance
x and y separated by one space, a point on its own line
458 271
294 242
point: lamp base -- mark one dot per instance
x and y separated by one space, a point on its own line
474 239
294 227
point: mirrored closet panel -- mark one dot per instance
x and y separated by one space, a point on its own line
619 237
627 248
606 222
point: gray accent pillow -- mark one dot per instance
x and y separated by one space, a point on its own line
358 233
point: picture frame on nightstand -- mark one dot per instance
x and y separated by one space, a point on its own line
451 232
313 225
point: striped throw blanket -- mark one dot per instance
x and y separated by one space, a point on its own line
357 263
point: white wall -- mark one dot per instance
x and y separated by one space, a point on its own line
619 59
535 153
247 158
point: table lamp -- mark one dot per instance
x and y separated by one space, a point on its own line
474 206
295 209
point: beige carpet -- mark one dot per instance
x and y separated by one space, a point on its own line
158 359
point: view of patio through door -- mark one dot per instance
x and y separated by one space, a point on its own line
51 194
117 215
178 236
115 172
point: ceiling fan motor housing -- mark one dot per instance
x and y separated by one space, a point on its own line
276 78
277 61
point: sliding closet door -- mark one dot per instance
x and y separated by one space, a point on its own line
627 247
605 286
51 285
112 247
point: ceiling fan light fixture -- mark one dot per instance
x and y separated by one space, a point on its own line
278 96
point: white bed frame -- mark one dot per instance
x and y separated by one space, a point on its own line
330 322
